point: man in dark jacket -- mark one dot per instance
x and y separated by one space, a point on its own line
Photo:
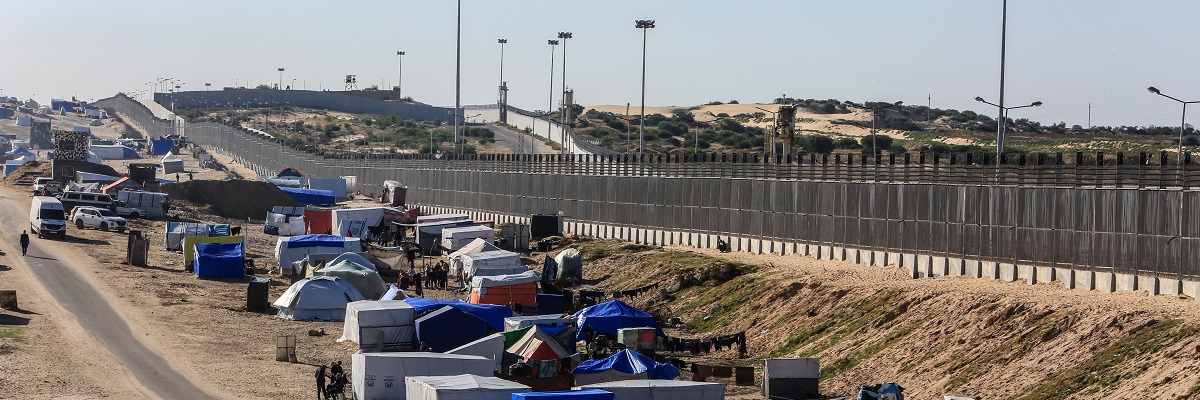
24 242
321 381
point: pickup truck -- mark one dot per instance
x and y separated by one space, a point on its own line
46 187
125 210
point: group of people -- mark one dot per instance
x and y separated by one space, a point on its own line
337 380
438 276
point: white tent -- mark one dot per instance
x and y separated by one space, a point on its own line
521 322
283 224
288 254
661 389
487 281
381 375
456 238
379 326
171 164
490 347
476 246
335 185
461 387
317 298
370 216
497 262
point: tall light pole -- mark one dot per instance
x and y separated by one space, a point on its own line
1182 117
1003 122
502 43
400 74
874 116
280 85
457 73
1001 128
644 25
502 96
566 111
550 125
207 86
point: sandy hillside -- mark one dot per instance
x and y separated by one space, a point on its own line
807 121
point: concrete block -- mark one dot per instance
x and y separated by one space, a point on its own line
744 244
1126 282
908 259
839 253
912 271
925 265
956 266
1170 286
1028 273
893 259
1149 283
1008 272
1085 280
1192 288
1105 282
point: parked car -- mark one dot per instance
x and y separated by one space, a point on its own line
46 187
125 210
71 200
99 218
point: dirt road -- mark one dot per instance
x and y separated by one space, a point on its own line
54 265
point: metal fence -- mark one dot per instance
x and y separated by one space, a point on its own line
1102 215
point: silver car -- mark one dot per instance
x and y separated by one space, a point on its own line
99 218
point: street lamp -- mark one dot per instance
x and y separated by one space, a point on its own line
502 99
566 112
502 43
207 86
1182 117
293 84
550 125
280 85
874 111
644 25
457 72
400 74
1001 138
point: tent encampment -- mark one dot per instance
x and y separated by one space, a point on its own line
461 387
475 246
537 345
624 365
506 289
661 389
381 375
378 326
610 316
321 298
448 328
295 248
171 164
458 237
492 314
219 260
498 262
362 275
310 196
490 347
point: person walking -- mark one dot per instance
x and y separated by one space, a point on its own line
320 381
24 242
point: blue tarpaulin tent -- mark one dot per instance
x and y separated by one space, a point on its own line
21 151
315 240
494 315
310 196
448 328
219 260
162 146
628 362
609 316
582 394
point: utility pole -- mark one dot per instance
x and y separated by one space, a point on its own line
1089 116
928 106
457 74
566 107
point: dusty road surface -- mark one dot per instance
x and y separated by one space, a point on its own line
54 266
516 142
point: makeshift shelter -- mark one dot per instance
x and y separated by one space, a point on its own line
295 248
89 177
430 233
458 237
624 365
564 335
289 172
286 182
429 219
22 151
492 314
150 202
490 347
382 375
610 316
362 276
97 122
570 265
114 152
488 263
378 326
318 221
310 196
176 231
522 322
283 224
506 289
321 298
448 328
581 394
353 222
661 389
537 345
161 146
220 260
475 246
171 164
337 186
394 193
190 242
123 184
461 387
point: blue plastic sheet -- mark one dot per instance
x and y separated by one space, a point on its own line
494 315
610 316
629 362
316 240
219 260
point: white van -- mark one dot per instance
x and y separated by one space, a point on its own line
47 217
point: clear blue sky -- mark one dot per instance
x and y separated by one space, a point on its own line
1065 53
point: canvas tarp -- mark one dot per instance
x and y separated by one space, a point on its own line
581 394
515 323
448 328
381 375
475 246
498 262
490 347
570 264
219 260
624 365
283 224
461 387
379 326
321 298
343 218
162 146
492 314
564 335
455 238
295 248
310 196
610 316
171 164
506 289
362 276
537 345
661 389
